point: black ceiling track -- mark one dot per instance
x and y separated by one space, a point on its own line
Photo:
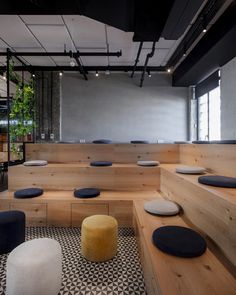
75 54
216 48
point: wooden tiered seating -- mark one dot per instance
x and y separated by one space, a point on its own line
165 274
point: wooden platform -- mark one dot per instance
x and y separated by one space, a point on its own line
211 209
117 153
73 175
166 275
61 208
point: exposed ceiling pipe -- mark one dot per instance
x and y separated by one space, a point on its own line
149 55
137 58
75 54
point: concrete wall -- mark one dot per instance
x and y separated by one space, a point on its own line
228 100
115 107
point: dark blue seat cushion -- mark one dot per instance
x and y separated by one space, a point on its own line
12 230
217 180
87 193
28 193
139 141
201 141
102 141
101 163
179 241
226 141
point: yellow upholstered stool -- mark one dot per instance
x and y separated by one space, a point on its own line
99 238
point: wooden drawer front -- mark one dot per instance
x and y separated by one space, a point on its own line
4 206
81 211
59 214
36 214
122 211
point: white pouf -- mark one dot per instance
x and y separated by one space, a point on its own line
35 163
161 207
35 268
148 163
190 169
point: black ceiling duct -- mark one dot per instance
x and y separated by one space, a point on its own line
215 49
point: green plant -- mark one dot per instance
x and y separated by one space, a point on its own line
22 110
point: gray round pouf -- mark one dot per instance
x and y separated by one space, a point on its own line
35 268
190 170
161 207
148 163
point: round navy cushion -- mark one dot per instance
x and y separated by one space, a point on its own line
12 230
102 141
139 141
179 241
86 193
101 163
226 141
217 180
201 141
28 193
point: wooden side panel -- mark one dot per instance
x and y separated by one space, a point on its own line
4 206
122 211
217 158
59 214
69 177
119 153
36 214
81 211
212 214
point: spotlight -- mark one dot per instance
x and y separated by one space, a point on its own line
4 77
96 74
204 30
33 75
184 54
60 74
169 70
107 72
149 75
72 62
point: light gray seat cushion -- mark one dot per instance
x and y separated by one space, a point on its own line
161 207
35 163
148 163
190 169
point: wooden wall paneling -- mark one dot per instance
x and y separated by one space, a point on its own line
36 213
217 158
122 211
4 206
81 211
208 210
59 214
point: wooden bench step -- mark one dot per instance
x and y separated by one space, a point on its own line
165 274
211 209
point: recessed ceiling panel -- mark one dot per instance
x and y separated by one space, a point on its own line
120 38
52 36
42 19
85 30
39 61
15 33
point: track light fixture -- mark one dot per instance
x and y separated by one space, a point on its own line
204 24
72 60
149 74
33 75
96 74
60 74
107 72
169 70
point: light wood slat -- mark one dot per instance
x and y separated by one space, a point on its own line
59 214
173 275
212 210
119 153
217 158
71 176
4 206
36 214
81 211
122 211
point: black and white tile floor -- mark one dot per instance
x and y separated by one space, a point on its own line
120 276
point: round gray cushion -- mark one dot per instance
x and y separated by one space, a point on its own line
182 142
101 163
224 141
179 241
148 163
217 180
28 193
162 207
86 193
35 163
190 169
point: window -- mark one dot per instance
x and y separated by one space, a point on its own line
209 110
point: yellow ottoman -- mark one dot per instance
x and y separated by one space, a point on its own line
99 238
